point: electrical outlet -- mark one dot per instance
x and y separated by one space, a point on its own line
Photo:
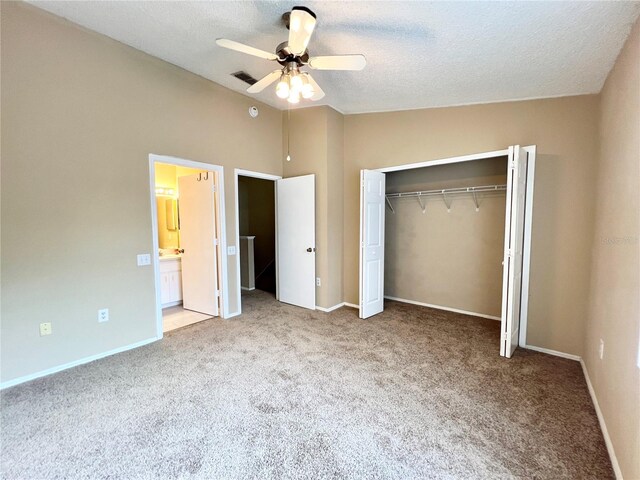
601 349
318 283
144 259
45 329
103 315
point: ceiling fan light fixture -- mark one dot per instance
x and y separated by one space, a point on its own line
283 89
296 82
294 96
307 90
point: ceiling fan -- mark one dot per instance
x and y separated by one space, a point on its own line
293 55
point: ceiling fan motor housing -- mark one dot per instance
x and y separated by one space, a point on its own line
285 56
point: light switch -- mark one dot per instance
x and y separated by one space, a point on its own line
144 259
231 250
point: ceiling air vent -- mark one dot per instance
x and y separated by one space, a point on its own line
245 77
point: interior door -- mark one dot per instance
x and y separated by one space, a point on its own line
513 248
296 240
198 239
372 209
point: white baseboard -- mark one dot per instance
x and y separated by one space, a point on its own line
248 289
231 315
171 304
555 353
351 305
59 368
603 425
440 307
330 309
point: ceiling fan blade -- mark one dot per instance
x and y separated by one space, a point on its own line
264 82
317 91
338 62
241 47
302 21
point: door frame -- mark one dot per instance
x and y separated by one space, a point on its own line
528 217
238 172
220 219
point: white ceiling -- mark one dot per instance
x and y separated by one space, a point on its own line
419 54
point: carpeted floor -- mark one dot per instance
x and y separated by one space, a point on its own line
282 392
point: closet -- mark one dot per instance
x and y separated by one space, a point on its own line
444 236
452 234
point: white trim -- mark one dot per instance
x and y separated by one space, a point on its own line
555 353
171 304
526 253
440 307
248 173
219 170
75 363
444 161
248 289
238 172
351 305
603 425
330 309
231 315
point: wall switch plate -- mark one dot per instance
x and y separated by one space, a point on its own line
231 250
144 259
601 349
103 315
45 329
318 283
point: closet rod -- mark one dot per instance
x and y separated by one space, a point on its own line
449 191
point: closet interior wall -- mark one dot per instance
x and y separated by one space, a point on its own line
451 259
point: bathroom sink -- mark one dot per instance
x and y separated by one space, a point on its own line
170 256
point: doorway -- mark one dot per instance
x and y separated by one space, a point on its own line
257 228
294 224
256 233
507 258
189 239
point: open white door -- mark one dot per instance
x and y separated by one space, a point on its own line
196 206
296 240
372 200
513 250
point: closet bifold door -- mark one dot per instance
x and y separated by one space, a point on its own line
513 250
372 210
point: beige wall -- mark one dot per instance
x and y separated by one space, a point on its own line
451 259
335 208
614 311
80 115
565 131
316 145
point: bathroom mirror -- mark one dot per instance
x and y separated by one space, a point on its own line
171 208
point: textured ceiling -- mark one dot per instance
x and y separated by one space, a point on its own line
419 54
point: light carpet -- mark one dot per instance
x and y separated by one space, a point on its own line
282 392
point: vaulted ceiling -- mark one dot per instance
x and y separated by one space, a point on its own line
419 54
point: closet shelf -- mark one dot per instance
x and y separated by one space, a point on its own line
445 193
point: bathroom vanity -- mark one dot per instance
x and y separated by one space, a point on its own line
170 280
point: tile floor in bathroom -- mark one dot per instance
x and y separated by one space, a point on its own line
177 317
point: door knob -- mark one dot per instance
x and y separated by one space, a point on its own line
311 249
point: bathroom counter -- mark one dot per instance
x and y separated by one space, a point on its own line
170 257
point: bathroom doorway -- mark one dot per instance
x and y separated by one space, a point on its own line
188 232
